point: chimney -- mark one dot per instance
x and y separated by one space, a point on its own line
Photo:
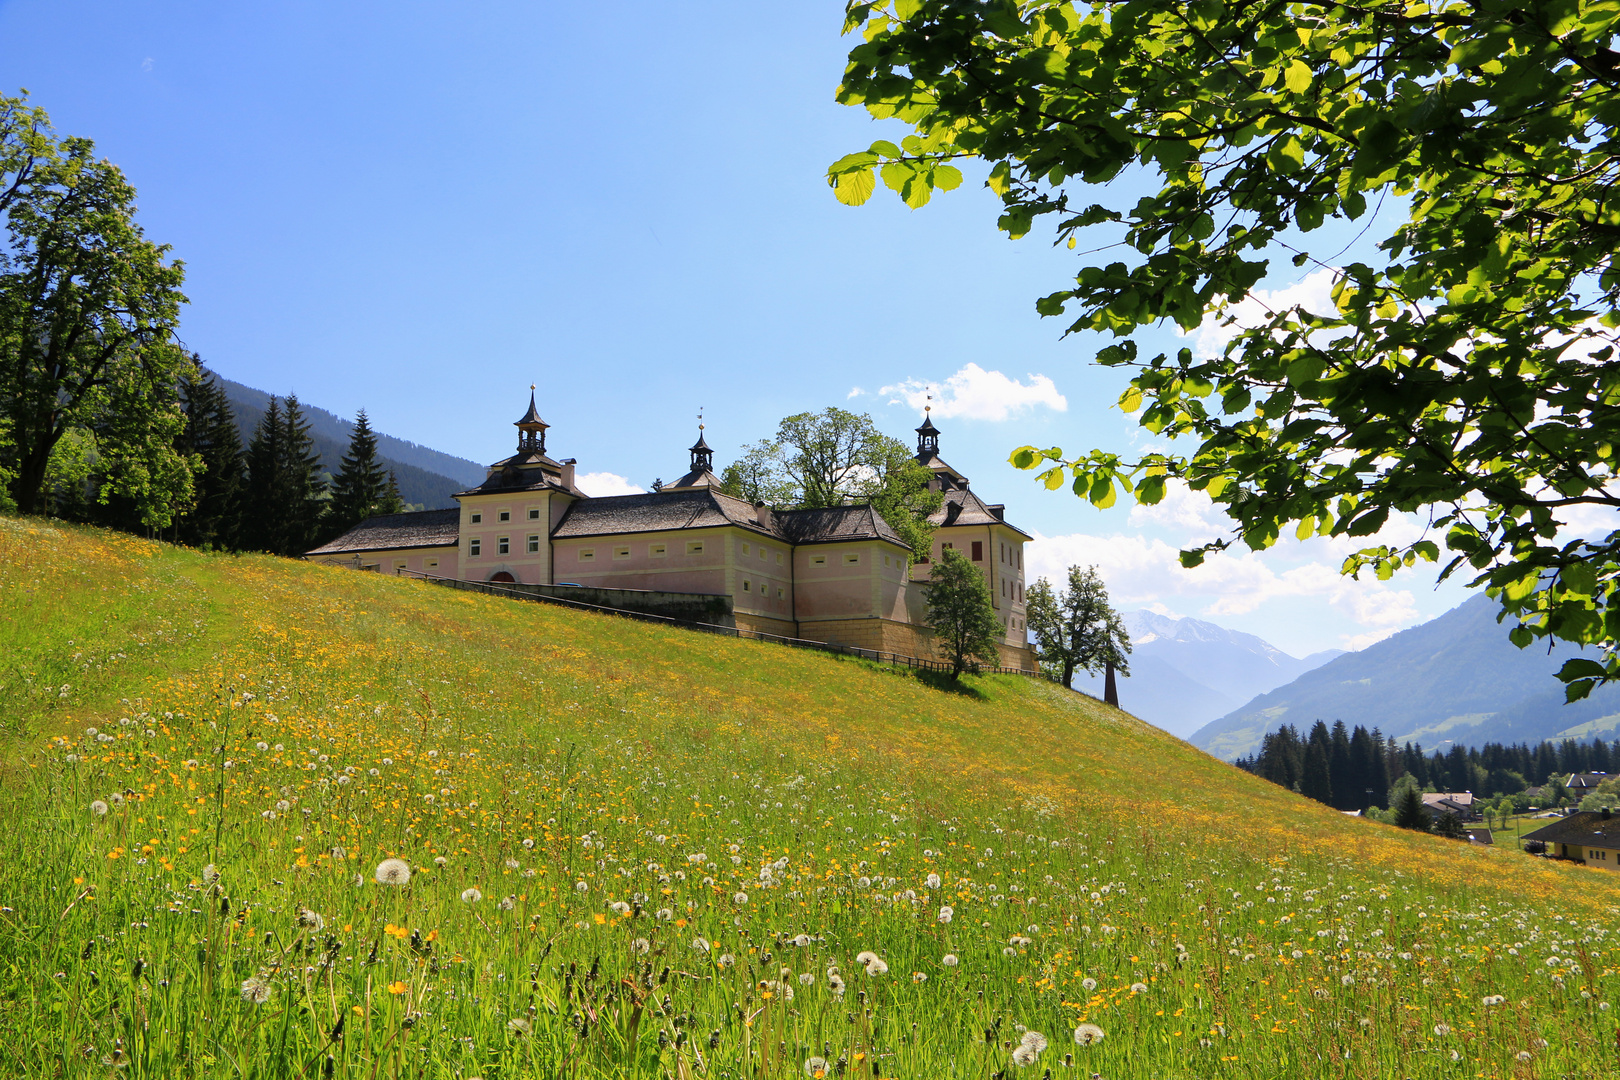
763 515
568 472
999 512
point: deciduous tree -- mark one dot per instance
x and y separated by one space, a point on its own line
835 457
1076 629
1464 371
88 313
961 612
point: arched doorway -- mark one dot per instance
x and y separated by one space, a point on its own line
502 578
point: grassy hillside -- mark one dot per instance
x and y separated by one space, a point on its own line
636 851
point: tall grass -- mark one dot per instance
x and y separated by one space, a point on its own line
635 852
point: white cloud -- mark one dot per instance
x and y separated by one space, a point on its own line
976 394
601 484
1357 642
854 392
1315 292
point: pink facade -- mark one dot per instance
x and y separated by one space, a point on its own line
785 571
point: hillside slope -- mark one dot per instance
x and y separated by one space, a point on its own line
1187 672
1454 678
341 824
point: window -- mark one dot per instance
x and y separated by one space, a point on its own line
747 585
475 547
534 513
587 554
852 558
818 560
762 554
1020 554
694 547
399 564
658 551
506 515
477 518
431 564
745 550
622 552
779 592
978 551
778 558
534 543
945 545
503 545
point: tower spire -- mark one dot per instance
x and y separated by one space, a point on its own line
702 455
927 434
531 429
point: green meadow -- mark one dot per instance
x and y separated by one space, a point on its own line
268 819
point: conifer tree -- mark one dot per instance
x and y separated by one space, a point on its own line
306 486
286 493
1406 800
362 486
263 492
211 434
961 613
1316 781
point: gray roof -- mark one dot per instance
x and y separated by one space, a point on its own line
1588 828
522 472
424 528
833 524
962 507
655 511
703 508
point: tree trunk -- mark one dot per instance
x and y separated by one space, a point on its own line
1068 674
1110 691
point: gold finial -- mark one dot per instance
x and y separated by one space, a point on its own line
928 408
700 418
531 386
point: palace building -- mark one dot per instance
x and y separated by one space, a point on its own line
837 574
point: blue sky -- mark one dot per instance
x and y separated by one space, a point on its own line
420 209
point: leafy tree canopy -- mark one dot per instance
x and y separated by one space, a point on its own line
961 612
835 457
88 314
1466 373
1076 628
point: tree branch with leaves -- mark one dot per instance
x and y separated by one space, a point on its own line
1465 374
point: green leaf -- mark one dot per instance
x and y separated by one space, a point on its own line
1102 493
1130 400
1297 78
947 177
853 188
1024 458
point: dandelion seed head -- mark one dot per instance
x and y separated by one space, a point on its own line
393 872
1088 1034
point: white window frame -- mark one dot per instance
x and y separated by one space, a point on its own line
532 544
503 545
475 547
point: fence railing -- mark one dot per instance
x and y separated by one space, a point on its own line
877 655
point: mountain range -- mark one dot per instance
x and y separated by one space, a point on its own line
1454 679
1186 672
426 477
